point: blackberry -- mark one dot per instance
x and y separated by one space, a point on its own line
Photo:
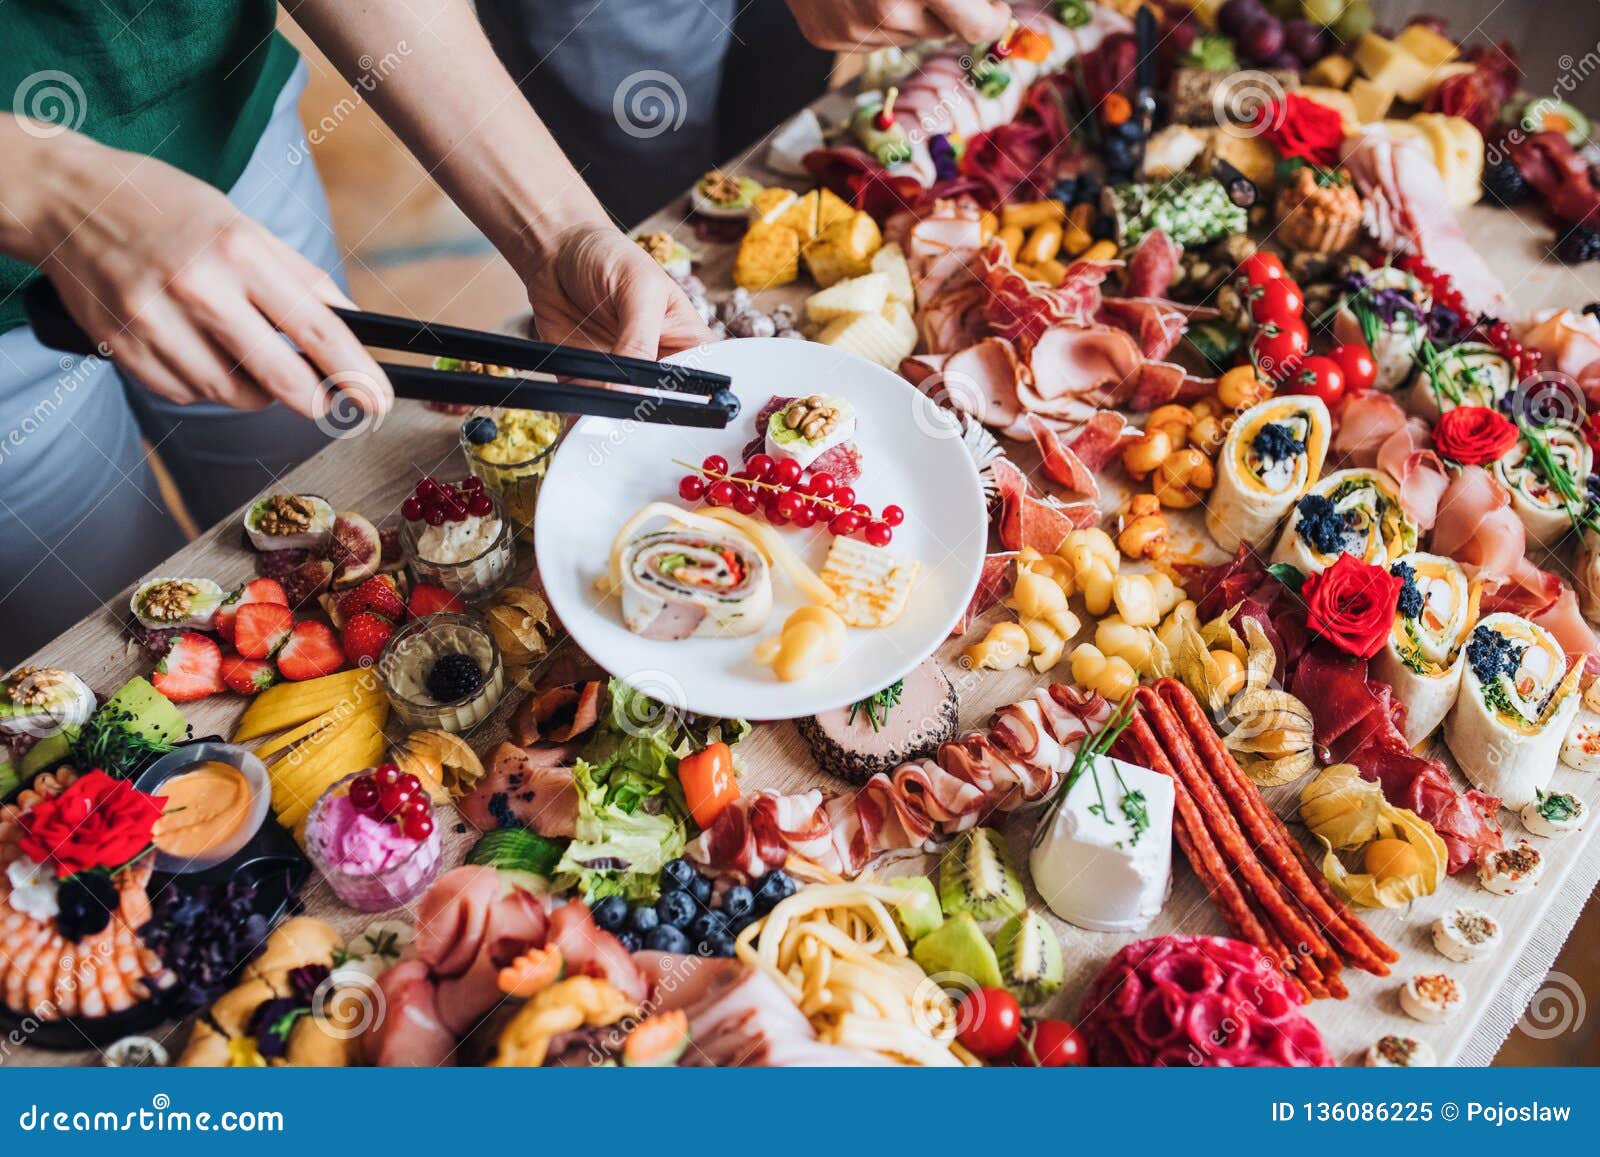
1577 246
454 676
1504 183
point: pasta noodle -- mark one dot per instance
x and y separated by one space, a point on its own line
837 951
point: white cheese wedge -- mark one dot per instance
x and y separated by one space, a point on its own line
1400 1052
1432 998
1103 859
1465 934
1581 748
890 260
1554 814
865 294
1512 870
797 136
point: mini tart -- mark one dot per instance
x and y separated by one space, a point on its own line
1400 1052
1465 934
1431 997
723 195
1554 814
1511 871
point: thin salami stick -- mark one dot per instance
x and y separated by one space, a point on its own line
1272 837
1194 841
1230 837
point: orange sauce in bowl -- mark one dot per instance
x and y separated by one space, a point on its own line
206 806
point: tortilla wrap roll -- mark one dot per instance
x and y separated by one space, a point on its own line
1427 646
678 583
1355 512
1536 496
1271 456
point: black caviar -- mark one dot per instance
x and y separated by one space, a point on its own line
1410 602
1492 654
1274 442
1321 524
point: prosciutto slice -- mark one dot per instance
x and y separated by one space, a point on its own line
1478 528
1406 209
1022 755
992 584
1028 518
1152 265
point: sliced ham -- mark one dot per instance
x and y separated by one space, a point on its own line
410 1033
528 787
1082 363
1570 342
1478 528
983 380
993 582
1157 324
590 950
1152 265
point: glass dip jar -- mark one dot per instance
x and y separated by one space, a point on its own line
471 558
513 463
408 661
370 863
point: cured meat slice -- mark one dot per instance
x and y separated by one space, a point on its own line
528 787
1081 362
1152 265
1028 519
992 584
982 380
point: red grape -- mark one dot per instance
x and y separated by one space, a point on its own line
715 464
878 534
787 472
721 493
893 516
691 488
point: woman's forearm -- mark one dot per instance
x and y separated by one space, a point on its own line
436 81
42 186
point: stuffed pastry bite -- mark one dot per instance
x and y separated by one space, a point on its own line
1518 697
1469 374
1355 512
1271 457
1426 651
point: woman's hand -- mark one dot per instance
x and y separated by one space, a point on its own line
850 25
185 292
594 287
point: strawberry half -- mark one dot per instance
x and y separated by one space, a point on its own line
311 652
378 595
364 635
259 629
247 676
428 599
261 590
191 669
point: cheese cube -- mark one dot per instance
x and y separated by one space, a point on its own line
1389 66
1371 99
1427 45
873 336
768 255
1252 156
843 250
769 205
801 216
830 209
1333 70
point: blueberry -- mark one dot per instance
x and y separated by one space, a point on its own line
480 430
666 939
642 919
678 876
1130 130
706 925
700 889
776 886
676 908
1066 190
611 913
630 940
720 945
738 901
1088 187
739 923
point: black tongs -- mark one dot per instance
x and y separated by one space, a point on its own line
688 397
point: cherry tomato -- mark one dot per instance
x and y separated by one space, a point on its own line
1321 378
1278 347
1278 300
1050 1044
708 782
1261 267
990 1020
1359 366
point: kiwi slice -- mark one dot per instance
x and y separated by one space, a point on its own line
918 914
1030 957
977 877
956 949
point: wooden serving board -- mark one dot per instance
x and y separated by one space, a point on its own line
373 472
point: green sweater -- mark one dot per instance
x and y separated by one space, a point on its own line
191 82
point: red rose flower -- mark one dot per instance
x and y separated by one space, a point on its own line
98 822
1474 435
1351 604
1298 126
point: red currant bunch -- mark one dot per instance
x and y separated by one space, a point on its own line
394 796
437 503
787 495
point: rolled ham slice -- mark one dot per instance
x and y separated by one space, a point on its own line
682 583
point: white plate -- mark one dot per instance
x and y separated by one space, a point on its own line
912 456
